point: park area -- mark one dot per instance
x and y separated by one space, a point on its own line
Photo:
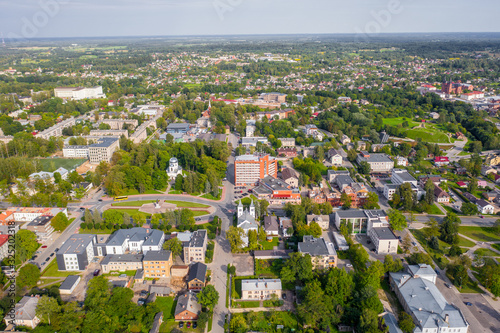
429 133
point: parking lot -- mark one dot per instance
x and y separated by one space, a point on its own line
484 313
244 264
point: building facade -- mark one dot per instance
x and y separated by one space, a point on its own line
157 264
260 289
76 253
249 169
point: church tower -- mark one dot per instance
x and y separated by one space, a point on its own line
252 209
240 209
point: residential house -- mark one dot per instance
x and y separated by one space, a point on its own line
440 195
160 290
486 170
470 197
287 152
332 174
335 157
441 160
345 139
157 321
384 137
322 220
360 145
187 308
289 176
157 264
134 240
194 249
197 276
24 313
401 161
322 252
271 225
485 207
482 183
286 226
287 142
260 289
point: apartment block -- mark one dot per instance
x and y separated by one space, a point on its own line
121 262
157 264
78 93
249 169
42 228
195 248
76 151
377 162
322 252
103 151
260 289
76 253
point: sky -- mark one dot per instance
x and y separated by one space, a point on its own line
100 18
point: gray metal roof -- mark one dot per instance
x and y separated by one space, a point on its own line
271 223
379 158
351 214
261 284
150 236
421 269
69 282
104 142
316 246
189 302
198 238
122 258
161 255
384 233
76 244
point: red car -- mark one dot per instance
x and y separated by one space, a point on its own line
188 324
44 246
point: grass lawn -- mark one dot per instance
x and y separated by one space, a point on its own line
135 192
167 305
267 321
211 197
451 210
486 252
496 246
237 288
185 204
470 289
200 212
51 164
133 203
118 273
246 304
397 121
484 234
175 192
435 210
209 328
171 326
51 270
269 245
427 135
465 242
268 268
47 282
437 255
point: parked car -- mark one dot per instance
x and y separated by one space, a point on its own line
348 265
413 243
96 272
447 285
44 246
47 259
284 296
82 208
122 275
99 200
195 325
468 303
181 324
52 254
188 324
57 249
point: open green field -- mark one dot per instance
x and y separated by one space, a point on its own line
400 120
436 255
427 135
496 246
465 242
134 213
51 271
200 212
266 321
52 164
486 252
483 234
167 305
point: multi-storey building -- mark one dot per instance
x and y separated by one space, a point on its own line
277 191
287 142
76 253
195 248
399 177
384 240
420 297
78 93
57 129
42 228
103 150
274 97
197 276
28 214
377 162
76 151
249 169
113 133
4 246
260 289
322 252
121 262
157 264
133 240
117 124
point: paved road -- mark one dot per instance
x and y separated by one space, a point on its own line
452 153
471 221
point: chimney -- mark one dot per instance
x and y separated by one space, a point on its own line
447 318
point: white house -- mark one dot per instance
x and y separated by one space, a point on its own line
335 157
485 207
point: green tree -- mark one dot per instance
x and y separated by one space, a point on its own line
98 293
449 228
397 220
406 323
174 245
28 276
472 186
208 297
234 236
432 229
88 217
238 323
364 168
345 200
59 222
47 308
352 155
26 244
429 192
371 202
468 208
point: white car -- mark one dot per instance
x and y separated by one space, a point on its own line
348 265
